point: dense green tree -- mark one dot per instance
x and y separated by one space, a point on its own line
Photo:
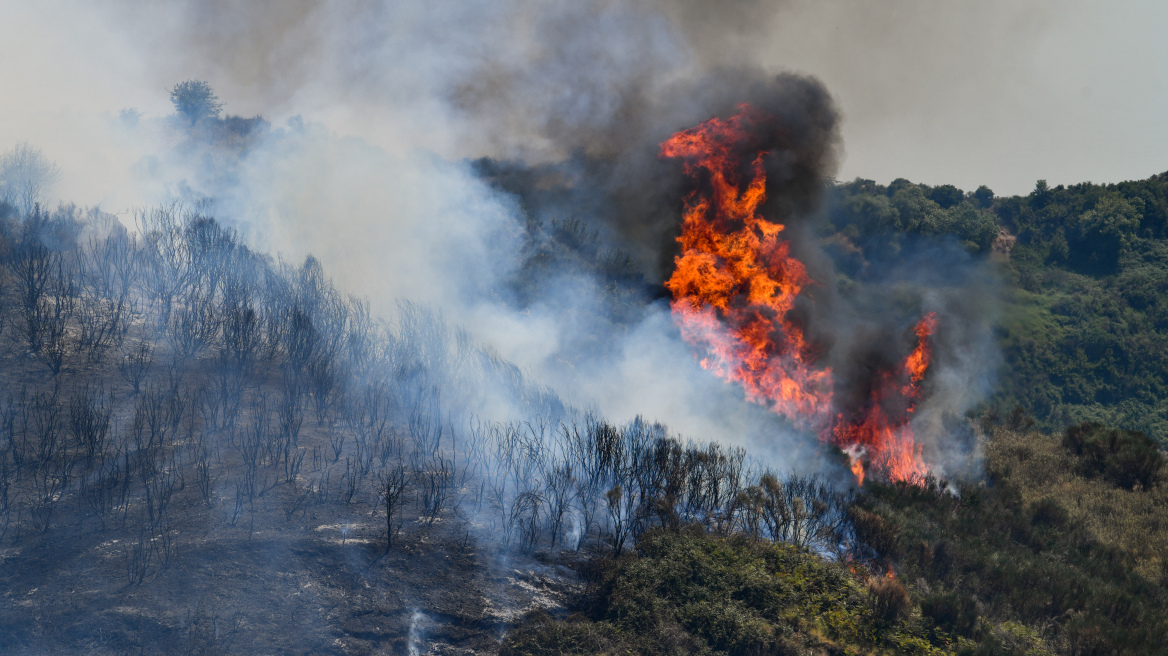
195 101
946 196
984 196
1105 233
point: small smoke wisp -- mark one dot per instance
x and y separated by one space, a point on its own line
417 635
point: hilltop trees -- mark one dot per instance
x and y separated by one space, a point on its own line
1084 336
195 101
25 177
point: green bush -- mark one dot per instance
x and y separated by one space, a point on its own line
690 592
1126 458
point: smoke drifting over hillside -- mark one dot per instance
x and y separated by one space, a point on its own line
492 118
423 319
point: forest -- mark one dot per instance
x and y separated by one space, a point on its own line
1082 331
208 449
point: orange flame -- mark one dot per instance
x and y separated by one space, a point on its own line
734 286
890 441
858 470
735 282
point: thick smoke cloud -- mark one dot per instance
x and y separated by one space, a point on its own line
561 106
585 90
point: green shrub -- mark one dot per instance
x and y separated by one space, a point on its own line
1126 458
952 612
690 592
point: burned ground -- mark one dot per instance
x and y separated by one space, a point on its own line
205 451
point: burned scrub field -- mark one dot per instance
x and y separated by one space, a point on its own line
189 460
190 466
205 451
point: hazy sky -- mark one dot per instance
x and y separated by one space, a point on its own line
988 92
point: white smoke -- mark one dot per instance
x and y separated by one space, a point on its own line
372 180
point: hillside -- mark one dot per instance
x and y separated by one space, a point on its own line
559 327
1086 296
1059 547
206 450
1045 556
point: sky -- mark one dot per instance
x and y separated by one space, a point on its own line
994 92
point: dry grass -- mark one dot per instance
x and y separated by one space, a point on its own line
1135 521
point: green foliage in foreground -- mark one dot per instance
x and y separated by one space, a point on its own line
694 593
1051 542
1063 549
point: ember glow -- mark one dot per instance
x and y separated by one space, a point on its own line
734 286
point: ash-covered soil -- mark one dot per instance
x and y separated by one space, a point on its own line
313 583
206 451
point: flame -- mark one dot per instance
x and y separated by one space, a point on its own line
735 282
734 287
857 468
889 441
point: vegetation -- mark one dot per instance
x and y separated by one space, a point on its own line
1046 543
1059 549
1085 327
195 101
687 591
167 387
26 176
1049 556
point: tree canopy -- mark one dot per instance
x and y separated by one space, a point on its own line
195 101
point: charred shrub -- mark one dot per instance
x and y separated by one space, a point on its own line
1123 457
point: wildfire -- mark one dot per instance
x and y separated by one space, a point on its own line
881 429
734 286
735 282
